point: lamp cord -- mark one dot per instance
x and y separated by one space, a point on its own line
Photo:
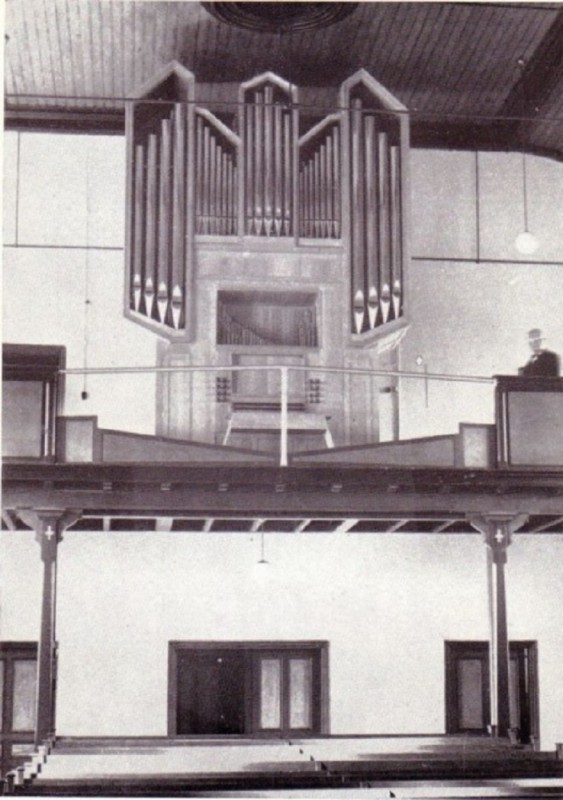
525 191
86 342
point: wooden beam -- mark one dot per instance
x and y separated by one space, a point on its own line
8 520
346 526
365 490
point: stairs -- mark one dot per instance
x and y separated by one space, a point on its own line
379 765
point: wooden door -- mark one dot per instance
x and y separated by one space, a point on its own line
18 682
287 693
211 692
468 706
524 690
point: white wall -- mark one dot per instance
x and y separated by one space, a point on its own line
469 316
386 604
69 191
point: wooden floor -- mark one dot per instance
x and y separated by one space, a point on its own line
391 766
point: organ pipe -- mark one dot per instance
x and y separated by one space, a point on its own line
151 222
371 220
287 182
138 265
164 216
278 219
337 180
179 199
258 174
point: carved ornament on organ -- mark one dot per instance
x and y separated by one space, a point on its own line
192 175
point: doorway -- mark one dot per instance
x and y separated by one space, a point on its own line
268 689
468 702
18 683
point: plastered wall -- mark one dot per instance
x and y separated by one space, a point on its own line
62 272
385 603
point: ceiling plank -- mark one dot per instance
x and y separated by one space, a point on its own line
540 75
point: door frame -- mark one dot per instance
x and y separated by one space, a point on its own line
478 650
175 647
9 653
481 649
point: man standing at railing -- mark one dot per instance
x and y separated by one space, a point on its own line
542 363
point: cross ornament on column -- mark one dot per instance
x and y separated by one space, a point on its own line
499 536
49 533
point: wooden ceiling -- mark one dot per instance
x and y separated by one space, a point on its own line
471 74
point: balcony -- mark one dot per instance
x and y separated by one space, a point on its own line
284 412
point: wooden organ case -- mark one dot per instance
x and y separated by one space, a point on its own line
261 232
190 176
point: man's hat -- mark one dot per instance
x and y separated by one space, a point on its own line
535 333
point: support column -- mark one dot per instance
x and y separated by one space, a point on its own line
497 530
49 527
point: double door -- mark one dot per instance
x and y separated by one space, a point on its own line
288 686
247 689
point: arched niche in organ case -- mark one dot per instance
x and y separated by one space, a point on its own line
343 179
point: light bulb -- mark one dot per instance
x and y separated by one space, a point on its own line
526 243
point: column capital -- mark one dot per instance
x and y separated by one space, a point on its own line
49 526
497 529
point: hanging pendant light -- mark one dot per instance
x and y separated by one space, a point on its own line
526 243
263 559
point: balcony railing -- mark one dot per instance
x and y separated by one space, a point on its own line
294 412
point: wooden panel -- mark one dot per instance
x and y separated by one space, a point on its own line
535 422
22 415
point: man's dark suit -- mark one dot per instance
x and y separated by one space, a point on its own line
542 364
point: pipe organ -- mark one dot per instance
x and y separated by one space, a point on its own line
320 181
269 128
191 175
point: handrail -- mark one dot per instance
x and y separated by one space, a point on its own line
283 370
438 376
